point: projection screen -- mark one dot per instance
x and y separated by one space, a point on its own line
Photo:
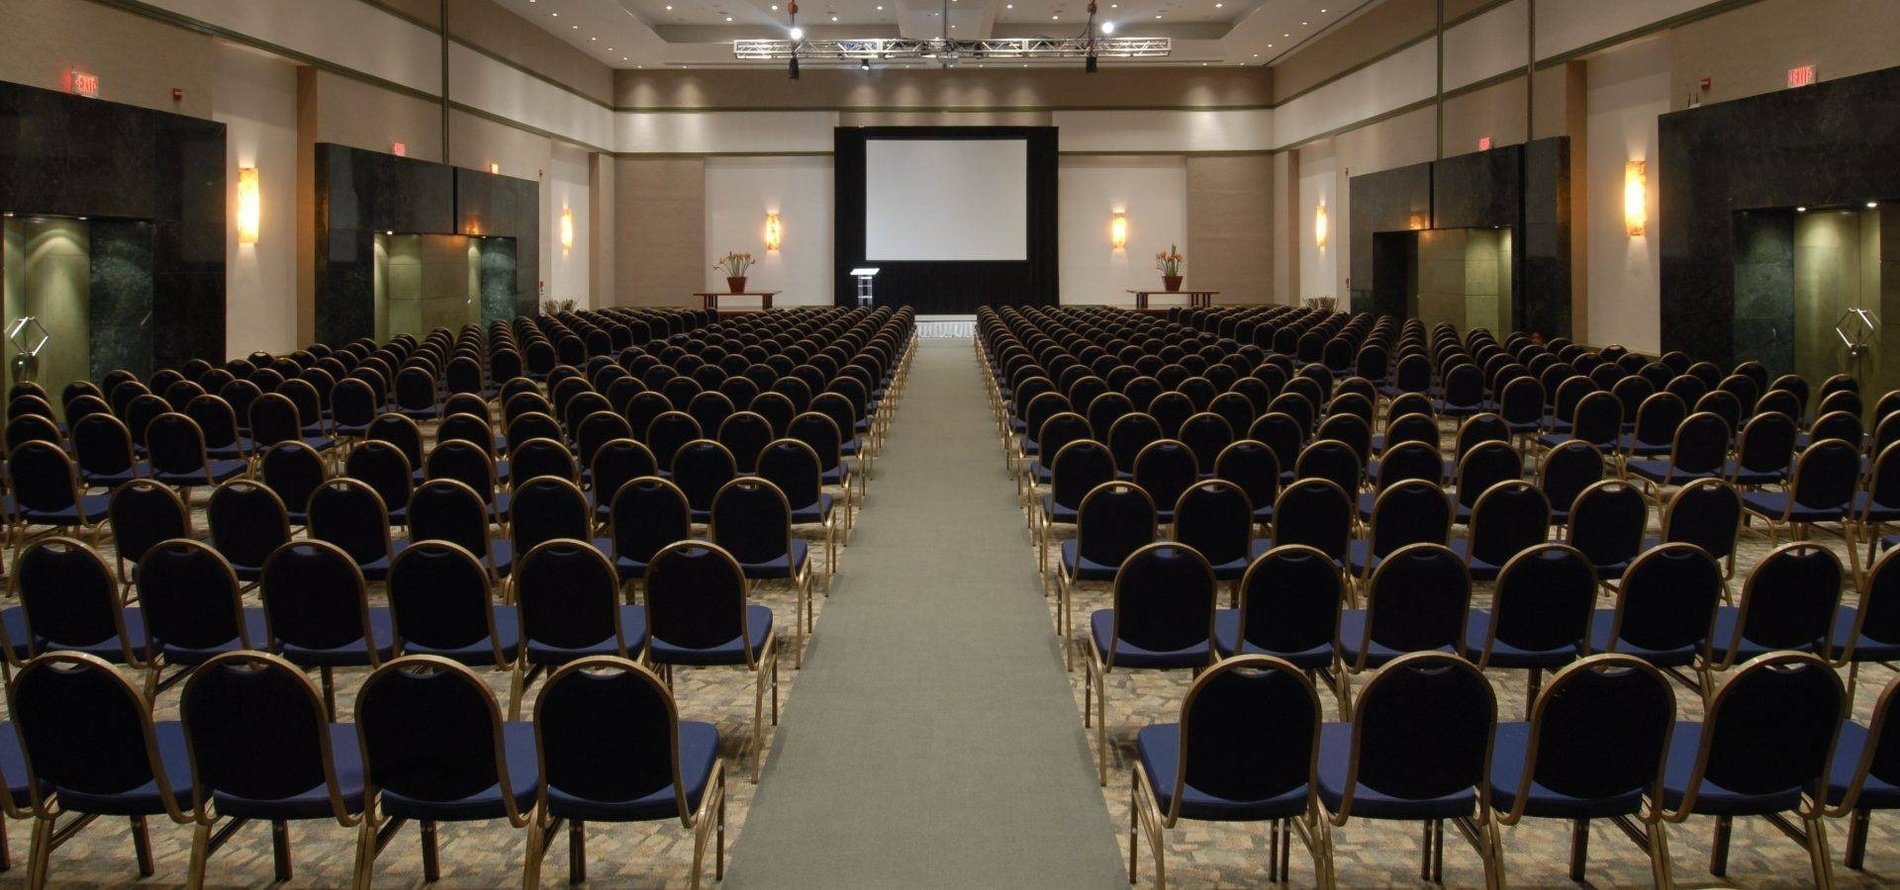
946 200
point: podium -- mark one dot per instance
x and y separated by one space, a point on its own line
864 274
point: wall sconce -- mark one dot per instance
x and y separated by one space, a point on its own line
1635 199
249 210
1118 230
1319 226
494 168
567 230
773 233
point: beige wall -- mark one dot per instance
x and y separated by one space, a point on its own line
929 88
1749 50
483 24
660 214
360 115
138 61
1496 111
1230 224
1384 28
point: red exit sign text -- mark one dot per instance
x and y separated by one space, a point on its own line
82 83
1801 77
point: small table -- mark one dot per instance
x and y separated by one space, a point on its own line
711 298
1197 299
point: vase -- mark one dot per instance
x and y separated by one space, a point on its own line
736 283
1171 282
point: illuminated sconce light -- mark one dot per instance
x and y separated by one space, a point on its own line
1319 226
567 230
1118 230
248 207
494 168
773 233
1635 199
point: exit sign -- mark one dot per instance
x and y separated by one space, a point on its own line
400 150
1484 143
1801 77
80 82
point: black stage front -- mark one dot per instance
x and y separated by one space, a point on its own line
947 287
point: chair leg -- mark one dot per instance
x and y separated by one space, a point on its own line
142 846
1101 726
431 854
200 851
1661 872
329 691
1718 849
1818 855
280 848
576 852
366 852
537 848
1856 840
1579 847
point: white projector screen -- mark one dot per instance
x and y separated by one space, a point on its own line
946 199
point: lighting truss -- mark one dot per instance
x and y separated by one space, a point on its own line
900 48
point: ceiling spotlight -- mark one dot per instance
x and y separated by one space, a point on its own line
864 64
1801 210
834 18
728 18
1054 17
1219 5
593 38
1108 27
1302 24
880 7
575 27
1157 15
797 33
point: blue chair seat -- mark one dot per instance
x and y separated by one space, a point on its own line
212 473
1352 638
111 648
1865 648
378 569
320 442
1553 439
1227 640
144 800
1875 794
835 475
1129 655
524 777
1773 503
1629 444
382 635
1359 556
1510 749
91 508
1057 513
733 651
482 651
232 451
1875 512
1600 642
1557 425
1725 620
814 512
138 470
1335 755
1366 500
1074 566
253 626
633 626
1505 655
1480 570
1233 569
1746 477
504 551
1159 747
851 447
1039 474
1712 799
420 414
13 766
1449 409
13 618
1659 472
782 567
314 802
698 751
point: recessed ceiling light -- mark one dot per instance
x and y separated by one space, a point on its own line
1286 35
880 7
1157 15
593 38
555 14
834 18
1219 5
1054 17
728 18
1269 46
1302 24
669 7
1801 210
1256 55
1322 9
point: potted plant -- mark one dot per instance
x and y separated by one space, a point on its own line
1170 262
735 266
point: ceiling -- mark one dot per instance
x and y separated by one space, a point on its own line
698 33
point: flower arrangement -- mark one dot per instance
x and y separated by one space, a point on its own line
1170 261
734 264
556 307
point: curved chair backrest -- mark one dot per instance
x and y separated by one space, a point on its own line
1409 461
1417 599
744 434
1165 468
696 599
542 458
257 730
1132 433
41 477
1567 469
752 519
1114 520
432 732
464 462
1543 600
569 596
88 733
350 514
1105 409
1607 522
546 508
176 445
68 597
383 467
1825 476
607 729
1351 429
314 598
1412 511
449 510
1667 599
1421 729
439 601
293 470
617 461
1510 517
700 468
1290 599
144 513
597 429
1215 518
648 513
1416 427
469 428
1315 512
1770 729
1599 419
1767 443
1077 469
248 522
1163 600
1707 513
1789 601
189 597
102 445
1251 465
1521 401
1842 425
401 432
1485 465
1700 444
274 418
1330 459
1602 703
668 432
794 468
